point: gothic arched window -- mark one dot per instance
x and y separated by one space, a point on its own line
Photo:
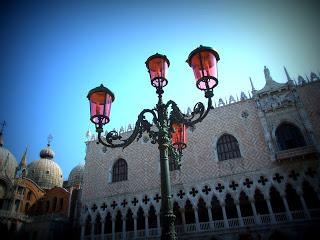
228 147
120 171
289 136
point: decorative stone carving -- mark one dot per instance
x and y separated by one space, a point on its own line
243 96
231 99
267 74
273 102
221 103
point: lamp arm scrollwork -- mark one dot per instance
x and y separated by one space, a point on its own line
142 125
199 111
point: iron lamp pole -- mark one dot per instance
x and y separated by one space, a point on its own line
168 130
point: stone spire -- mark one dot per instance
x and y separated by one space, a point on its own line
22 168
253 90
23 162
287 74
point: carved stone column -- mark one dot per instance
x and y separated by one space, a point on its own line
103 223
158 224
195 210
183 218
288 212
113 228
135 225
146 224
210 217
273 219
92 230
82 231
225 218
254 210
304 205
239 213
123 227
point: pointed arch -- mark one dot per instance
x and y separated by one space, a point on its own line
140 219
216 209
276 200
245 205
97 225
260 202
87 228
231 209
108 224
189 212
310 196
152 217
292 198
177 213
202 211
118 222
129 221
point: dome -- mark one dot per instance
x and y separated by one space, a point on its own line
45 172
8 162
47 153
76 175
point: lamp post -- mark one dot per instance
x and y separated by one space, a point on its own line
169 131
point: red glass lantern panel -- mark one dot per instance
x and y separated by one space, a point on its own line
100 99
179 136
203 61
157 66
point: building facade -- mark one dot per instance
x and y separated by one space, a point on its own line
33 203
250 171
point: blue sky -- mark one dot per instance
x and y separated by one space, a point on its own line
53 53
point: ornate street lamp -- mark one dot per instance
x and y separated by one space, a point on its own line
100 99
203 61
168 132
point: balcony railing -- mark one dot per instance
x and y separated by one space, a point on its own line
218 225
299 152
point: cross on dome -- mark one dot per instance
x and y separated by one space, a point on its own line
50 137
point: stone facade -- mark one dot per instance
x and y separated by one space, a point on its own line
33 205
263 167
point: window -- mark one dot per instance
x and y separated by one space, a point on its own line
120 171
27 206
20 190
29 195
61 204
17 205
54 204
228 147
289 136
47 206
